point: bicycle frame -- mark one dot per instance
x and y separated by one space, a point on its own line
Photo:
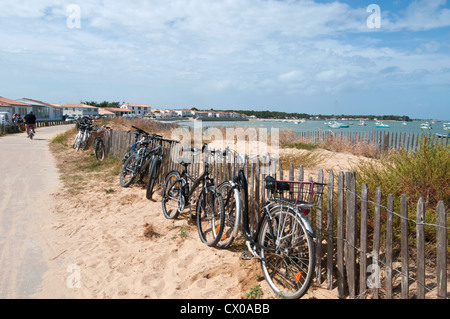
251 240
195 181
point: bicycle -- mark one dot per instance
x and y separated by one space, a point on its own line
155 165
31 133
98 145
233 200
177 193
82 138
284 239
138 162
135 146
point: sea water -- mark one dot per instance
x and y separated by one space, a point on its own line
319 125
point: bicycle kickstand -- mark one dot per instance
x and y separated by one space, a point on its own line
246 255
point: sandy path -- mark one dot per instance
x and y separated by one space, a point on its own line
29 176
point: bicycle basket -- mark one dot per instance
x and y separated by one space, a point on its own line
98 133
295 192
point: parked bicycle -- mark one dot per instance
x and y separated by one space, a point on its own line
99 145
155 164
84 134
138 134
177 193
283 240
232 193
137 163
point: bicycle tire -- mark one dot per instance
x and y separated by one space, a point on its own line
210 216
231 197
99 150
153 173
172 198
75 140
86 141
130 170
80 139
288 271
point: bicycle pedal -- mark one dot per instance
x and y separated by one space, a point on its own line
246 255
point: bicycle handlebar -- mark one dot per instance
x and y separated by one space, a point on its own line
245 156
140 130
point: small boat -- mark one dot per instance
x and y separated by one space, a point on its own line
334 125
362 123
338 125
425 126
404 123
382 125
443 136
446 126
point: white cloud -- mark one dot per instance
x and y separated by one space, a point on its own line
420 15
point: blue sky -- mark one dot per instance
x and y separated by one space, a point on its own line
317 57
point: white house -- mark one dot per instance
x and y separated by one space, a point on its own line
137 109
44 111
79 110
202 114
14 107
183 113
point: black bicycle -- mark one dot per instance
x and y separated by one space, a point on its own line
284 239
138 134
138 163
177 192
99 145
155 164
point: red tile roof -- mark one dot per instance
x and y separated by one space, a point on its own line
116 109
78 105
12 102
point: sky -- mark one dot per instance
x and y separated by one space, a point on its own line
317 57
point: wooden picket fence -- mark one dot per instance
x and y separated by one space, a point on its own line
363 248
383 141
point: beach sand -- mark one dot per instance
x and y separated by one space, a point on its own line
112 242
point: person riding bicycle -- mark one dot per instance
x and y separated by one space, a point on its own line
30 122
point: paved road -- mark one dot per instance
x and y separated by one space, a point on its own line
28 177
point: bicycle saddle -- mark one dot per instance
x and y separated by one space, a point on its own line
183 161
272 183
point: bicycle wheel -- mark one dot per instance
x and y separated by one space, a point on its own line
99 150
75 140
290 269
172 195
232 206
86 140
129 171
153 173
79 141
210 216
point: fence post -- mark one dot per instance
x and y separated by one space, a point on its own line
420 243
330 232
340 235
389 243
319 214
363 241
350 243
404 246
441 249
376 235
